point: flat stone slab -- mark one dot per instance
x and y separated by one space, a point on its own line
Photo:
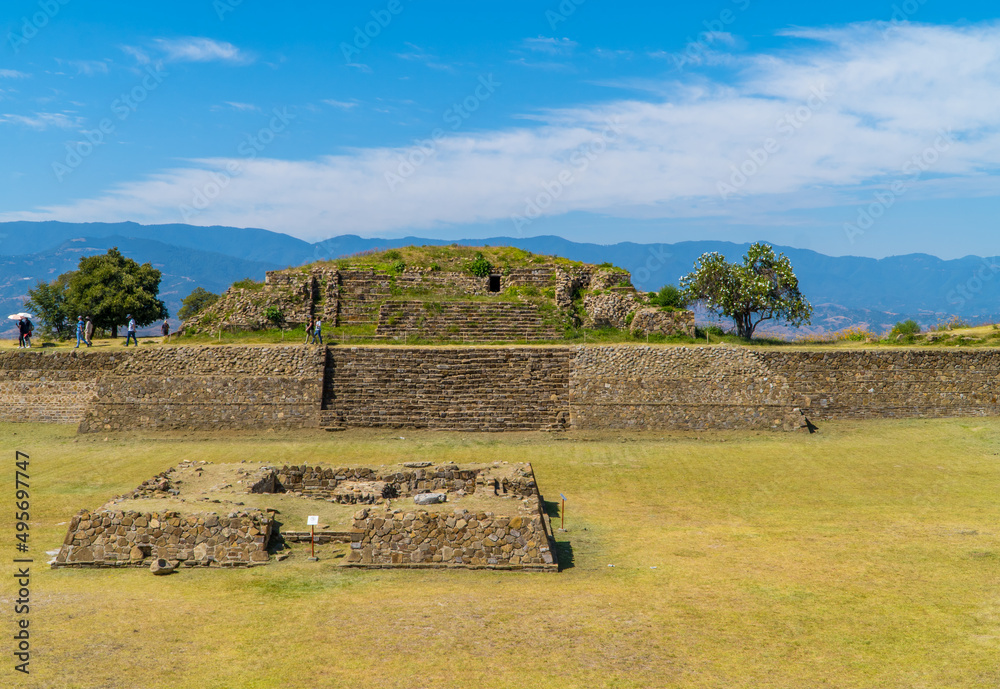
430 498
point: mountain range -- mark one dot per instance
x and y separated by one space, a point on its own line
846 291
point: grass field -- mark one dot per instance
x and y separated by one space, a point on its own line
867 555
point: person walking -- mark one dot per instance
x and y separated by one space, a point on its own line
165 329
29 329
88 330
81 332
130 333
318 332
310 329
20 332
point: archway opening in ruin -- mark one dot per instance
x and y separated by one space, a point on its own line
494 283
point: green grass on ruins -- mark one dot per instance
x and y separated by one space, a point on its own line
451 258
867 555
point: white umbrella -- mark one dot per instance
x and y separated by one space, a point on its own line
13 316
25 315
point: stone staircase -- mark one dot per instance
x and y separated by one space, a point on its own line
464 321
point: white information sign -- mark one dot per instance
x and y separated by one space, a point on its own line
313 521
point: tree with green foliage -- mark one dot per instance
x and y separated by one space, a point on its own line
108 287
763 287
196 302
274 315
907 328
47 302
669 298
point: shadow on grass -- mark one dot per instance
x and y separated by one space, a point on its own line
551 508
276 543
563 549
564 554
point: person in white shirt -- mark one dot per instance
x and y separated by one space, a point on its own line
130 335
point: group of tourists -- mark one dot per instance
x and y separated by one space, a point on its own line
314 331
84 331
24 331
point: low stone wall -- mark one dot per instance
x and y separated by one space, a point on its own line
659 322
610 310
134 539
363 485
474 389
461 539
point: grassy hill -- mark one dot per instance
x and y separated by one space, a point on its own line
451 258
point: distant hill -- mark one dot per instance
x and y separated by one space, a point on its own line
183 269
846 290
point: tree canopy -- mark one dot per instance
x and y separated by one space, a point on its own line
107 288
196 302
48 304
763 287
669 298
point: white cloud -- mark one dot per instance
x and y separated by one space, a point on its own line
236 105
88 67
550 46
418 54
888 98
43 120
343 105
138 54
193 49
12 74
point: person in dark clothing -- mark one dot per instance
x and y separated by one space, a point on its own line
165 329
310 327
24 328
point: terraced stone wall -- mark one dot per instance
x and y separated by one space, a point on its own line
209 388
739 387
458 388
490 388
920 383
464 321
43 387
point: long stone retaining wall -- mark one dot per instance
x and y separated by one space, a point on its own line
133 539
490 388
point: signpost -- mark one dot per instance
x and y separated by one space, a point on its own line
311 523
562 513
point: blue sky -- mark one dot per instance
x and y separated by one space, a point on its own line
848 128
